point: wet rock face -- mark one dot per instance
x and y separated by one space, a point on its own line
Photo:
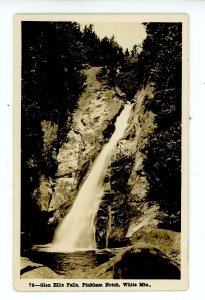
90 127
126 182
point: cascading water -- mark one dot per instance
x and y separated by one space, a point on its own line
77 229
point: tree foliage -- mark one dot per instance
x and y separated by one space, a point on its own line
162 64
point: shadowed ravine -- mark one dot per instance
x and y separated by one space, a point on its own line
73 252
100 179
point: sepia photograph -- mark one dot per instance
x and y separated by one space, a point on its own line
101 177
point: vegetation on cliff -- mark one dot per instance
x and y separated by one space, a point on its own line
53 56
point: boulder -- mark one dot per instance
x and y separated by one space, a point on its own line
140 261
26 264
29 269
167 241
40 273
145 262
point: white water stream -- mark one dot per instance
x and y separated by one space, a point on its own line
77 229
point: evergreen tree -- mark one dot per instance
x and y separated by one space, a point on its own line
160 62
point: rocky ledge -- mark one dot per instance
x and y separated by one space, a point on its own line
153 254
29 269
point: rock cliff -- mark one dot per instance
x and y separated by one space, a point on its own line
124 209
91 125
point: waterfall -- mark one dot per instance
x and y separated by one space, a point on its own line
77 229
